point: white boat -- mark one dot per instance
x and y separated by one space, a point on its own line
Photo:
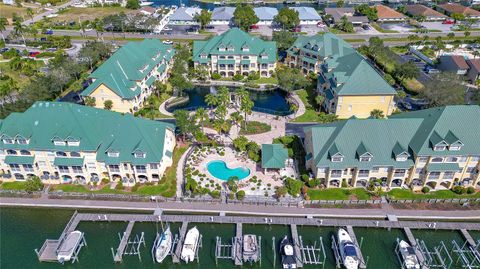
288 255
348 251
190 245
410 260
145 3
164 245
67 248
250 248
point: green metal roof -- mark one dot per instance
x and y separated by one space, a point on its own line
235 39
97 130
324 45
442 167
309 60
122 70
61 161
386 138
274 156
15 159
245 62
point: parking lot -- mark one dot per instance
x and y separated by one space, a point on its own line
399 27
436 25
423 76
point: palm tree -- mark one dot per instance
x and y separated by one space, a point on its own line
246 104
211 100
3 26
202 116
223 96
236 117
30 13
19 29
377 114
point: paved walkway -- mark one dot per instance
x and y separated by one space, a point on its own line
51 10
243 209
179 173
162 108
301 106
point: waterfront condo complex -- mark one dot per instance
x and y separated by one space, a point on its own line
350 85
236 52
66 143
127 77
436 147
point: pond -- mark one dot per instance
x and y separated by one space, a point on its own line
272 102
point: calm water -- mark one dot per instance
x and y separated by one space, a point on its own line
264 101
23 230
220 170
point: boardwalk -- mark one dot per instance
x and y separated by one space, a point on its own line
123 243
468 238
296 245
238 245
178 250
351 232
413 243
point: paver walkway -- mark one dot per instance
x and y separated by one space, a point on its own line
162 108
179 173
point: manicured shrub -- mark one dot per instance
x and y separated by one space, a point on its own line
425 189
237 77
216 76
470 190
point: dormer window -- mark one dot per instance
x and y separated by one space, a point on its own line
24 152
8 141
365 158
113 154
11 152
203 56
440 147
22 141
230 48
401 158
143 68
245 48
139 154
74 154
455 146
337 159
73 143
61 154
221 48
59 143
264 56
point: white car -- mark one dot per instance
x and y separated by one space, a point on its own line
167 42
167 29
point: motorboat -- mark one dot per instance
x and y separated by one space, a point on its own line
288 254
410 260
250 248
190 245
145 3
163 245
348 250
68 246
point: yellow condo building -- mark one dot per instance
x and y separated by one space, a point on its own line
127 77
350 85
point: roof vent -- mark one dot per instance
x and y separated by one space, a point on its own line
35 123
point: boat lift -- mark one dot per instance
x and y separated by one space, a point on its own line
312 254
438 258
338 258
468 255
132 247
172 250
224 251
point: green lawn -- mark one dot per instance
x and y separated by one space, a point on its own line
311 115
381 30
13 186
21 79
254 127
89 13
339 194
270 80
443 194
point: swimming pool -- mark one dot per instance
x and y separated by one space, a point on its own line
220 170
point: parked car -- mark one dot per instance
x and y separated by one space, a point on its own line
277 29
320 24
34 53
448 21
49 32
167 28
366 27
254 26
297 29
2 50
430 70
167 42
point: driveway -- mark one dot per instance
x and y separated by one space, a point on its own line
312 29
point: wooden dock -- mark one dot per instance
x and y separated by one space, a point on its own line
468 238
413 243
238 245
123 243
296 245
355 241
181 239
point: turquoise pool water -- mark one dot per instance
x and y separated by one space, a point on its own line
220 170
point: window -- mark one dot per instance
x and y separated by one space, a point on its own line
139 154
439 148
321 170
434 175
245 57
363 173
77 169
61 154
42 163
22 141
454 148
153 166
114 168
399 173
461 159
63 169
11 152
73 143
437 160
15 167
24 152
418 170
401 158
222 57
365 159
375 169
50 153
27 167
475 158
470 169
451 159
113 154
336 173
125 166
140 168
59 143
91 166
337 159
230 57
448 175
74 154
7 141
422 159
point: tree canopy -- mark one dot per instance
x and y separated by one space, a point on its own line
291 79
287 18
366 10
444 89
284 39
203 18
244 17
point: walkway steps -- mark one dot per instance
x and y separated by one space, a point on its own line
123 243
468 238
413 243
239 245
354 238
296 245
178 250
